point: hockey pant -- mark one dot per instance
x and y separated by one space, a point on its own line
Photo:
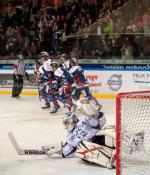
86 93
43 94
48 97
42 91
52 100
67 101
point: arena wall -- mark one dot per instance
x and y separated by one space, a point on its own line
114 79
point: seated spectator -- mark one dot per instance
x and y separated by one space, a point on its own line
30 26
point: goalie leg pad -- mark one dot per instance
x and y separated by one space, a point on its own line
98 154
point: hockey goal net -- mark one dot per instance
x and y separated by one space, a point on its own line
133 133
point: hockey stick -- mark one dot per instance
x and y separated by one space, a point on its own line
86 85
24 151
94 84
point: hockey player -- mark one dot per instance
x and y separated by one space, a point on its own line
80 130
82 82
46 78
65 62
64 83
43 57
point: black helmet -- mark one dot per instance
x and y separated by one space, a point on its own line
54 64
63 57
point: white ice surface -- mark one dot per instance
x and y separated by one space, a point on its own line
33 128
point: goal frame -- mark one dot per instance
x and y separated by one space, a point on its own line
118 124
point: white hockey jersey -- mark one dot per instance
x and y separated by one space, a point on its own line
86 128
66 65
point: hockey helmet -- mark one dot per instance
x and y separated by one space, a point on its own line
44 53
70 121
63 57
44 56
73 62
37 63
54 65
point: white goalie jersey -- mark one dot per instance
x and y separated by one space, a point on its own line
85 129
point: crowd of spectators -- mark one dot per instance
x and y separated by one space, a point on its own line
25 25
124 33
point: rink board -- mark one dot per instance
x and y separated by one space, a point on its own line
112 82
35 93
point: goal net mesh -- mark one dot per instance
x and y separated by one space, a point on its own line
133 134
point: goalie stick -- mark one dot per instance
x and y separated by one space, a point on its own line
24 151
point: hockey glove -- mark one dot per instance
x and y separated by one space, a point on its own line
52 149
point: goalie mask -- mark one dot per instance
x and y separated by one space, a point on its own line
86 108
70 121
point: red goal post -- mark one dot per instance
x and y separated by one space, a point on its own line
133 133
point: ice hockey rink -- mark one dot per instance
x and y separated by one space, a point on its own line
34 127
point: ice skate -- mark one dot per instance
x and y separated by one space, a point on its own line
46 106
54 110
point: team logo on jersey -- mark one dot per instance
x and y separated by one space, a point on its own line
115 82
72 137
